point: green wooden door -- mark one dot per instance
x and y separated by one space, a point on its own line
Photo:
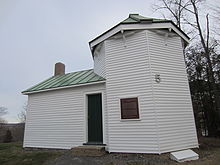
95 119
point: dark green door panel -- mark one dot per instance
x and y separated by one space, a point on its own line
95 134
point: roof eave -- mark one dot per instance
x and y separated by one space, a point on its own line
64 87
122 26
90 42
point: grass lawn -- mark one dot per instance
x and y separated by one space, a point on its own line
13 154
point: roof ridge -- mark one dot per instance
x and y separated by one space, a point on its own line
77 71
136 18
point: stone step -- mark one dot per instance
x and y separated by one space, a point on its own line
185 155
89 150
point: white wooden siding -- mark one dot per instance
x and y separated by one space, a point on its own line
127 74
166 117
55 119
176 123
99 60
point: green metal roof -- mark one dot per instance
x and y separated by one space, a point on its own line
69 79
136 18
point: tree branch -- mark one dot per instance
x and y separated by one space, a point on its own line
207 26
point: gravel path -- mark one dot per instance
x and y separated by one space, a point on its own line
112 159
208 156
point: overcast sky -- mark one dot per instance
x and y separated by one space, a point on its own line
35 34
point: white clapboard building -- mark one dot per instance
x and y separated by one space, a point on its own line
136 99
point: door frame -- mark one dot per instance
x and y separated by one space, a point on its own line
85 140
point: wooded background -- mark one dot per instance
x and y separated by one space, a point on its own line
201 21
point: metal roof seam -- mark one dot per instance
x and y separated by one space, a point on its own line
71 75
84 79
69 79
81 73
81 77
37 84
53 81
94 75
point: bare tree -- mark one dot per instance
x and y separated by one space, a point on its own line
177 10
22 114
3 111
188 12
216 17
205 42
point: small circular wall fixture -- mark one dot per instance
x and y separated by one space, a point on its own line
157 78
